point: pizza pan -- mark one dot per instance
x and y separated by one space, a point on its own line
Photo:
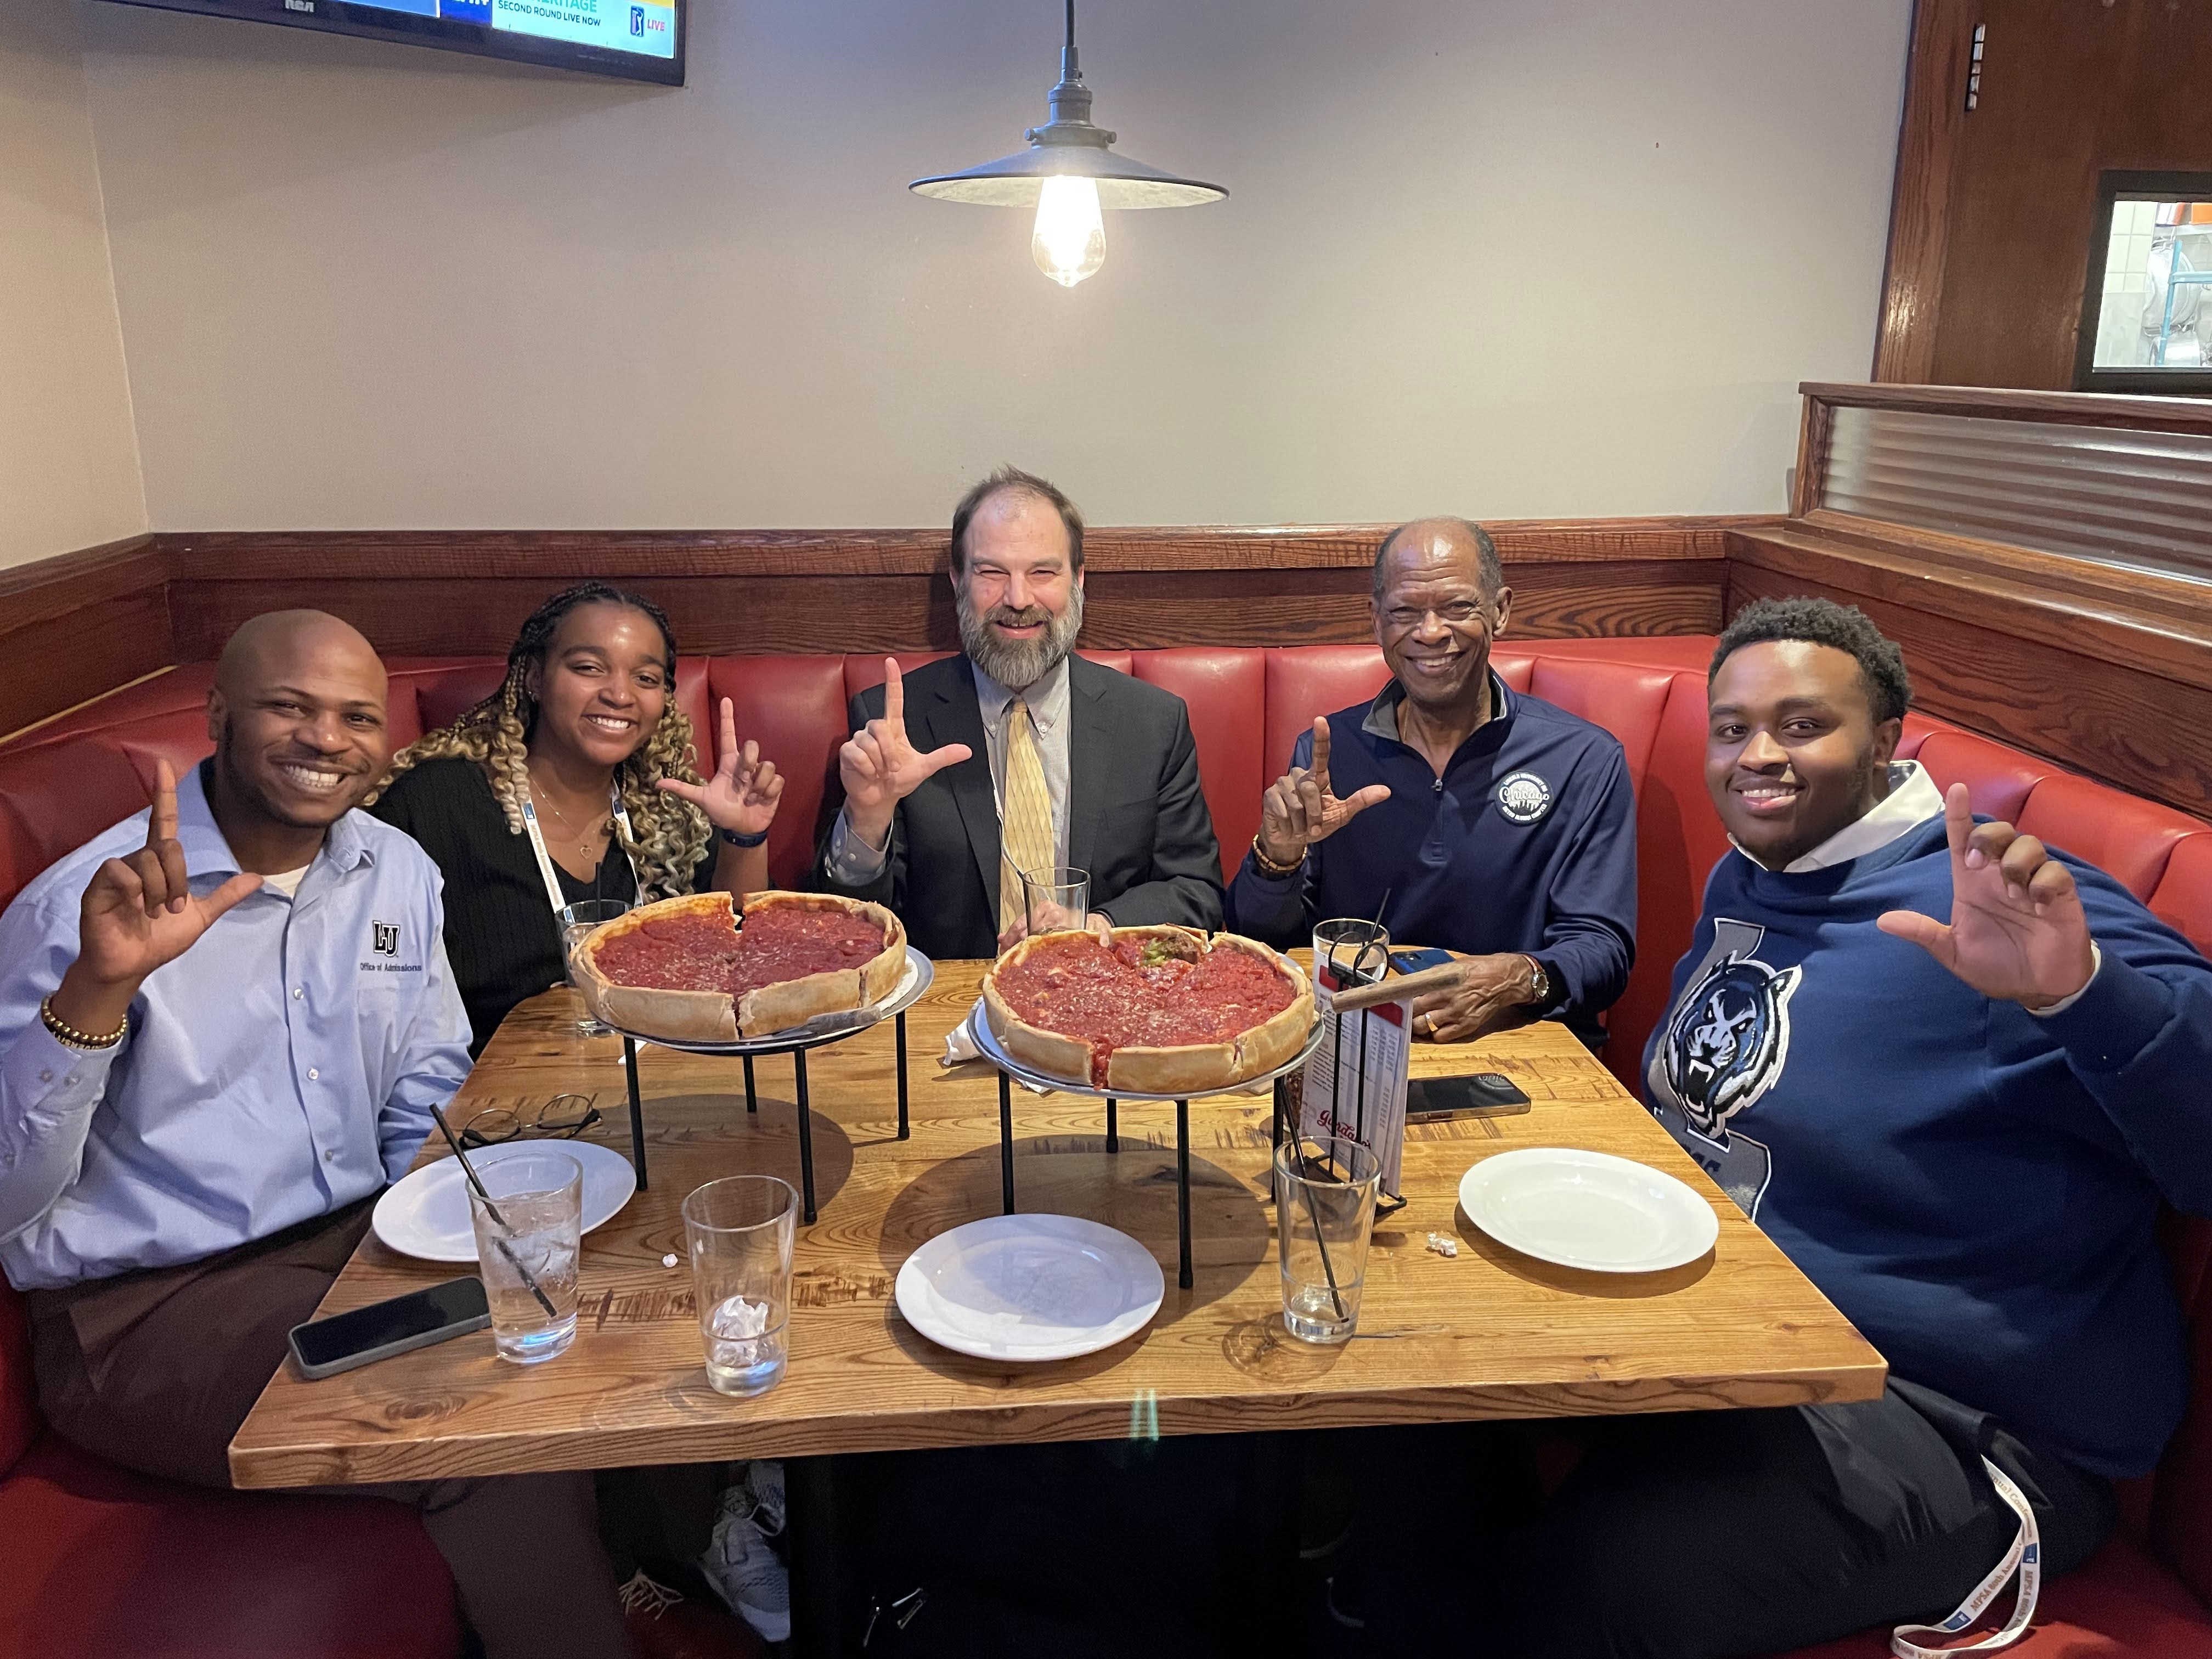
986 1041
919 972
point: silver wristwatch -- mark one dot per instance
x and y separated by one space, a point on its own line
1540 982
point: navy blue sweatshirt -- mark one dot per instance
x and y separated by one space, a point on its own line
1526 842
1973 1187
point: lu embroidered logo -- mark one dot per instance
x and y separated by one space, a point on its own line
385 937
1524 797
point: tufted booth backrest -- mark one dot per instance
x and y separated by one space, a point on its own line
67 781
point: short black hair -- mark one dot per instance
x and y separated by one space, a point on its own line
1491 572
1012 477
1844 628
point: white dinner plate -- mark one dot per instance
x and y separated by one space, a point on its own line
1031 1287
426 1214
1587 1210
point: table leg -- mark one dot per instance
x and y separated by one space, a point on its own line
1182 1189
752 1096
905 1131
1113 1124
805 1134
1006 1139
637 1112
820 1606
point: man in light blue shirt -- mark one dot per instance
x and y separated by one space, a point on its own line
224 1026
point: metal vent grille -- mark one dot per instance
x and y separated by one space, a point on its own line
2139 500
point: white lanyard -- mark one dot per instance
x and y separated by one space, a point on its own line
2025 1556
553 893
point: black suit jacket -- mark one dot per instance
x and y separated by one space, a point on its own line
1137 819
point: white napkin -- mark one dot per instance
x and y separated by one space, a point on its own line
960 1047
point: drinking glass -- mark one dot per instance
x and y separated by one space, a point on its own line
527 1238
1324 1216
739 1229
1055 899
1354 952
577 923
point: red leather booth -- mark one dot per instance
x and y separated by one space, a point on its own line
101 1561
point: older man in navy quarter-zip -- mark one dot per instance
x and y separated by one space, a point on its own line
1494 823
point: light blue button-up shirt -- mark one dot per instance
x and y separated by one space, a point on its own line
283 1066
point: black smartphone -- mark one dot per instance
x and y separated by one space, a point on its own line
1479 1094
323 1347
1412 961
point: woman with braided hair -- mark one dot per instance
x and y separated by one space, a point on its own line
573 781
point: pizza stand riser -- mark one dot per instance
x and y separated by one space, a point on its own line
987 1044
795 1043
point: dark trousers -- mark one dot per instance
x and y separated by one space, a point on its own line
155 1370
1713 1534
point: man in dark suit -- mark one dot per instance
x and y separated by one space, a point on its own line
1030 756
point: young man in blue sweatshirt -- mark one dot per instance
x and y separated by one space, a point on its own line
1951 1072
1465 814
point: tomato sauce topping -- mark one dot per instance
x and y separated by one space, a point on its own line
1135 995
778 942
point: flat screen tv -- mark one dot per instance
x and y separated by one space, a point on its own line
638 39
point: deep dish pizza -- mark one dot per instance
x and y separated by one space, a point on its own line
692 970
1160 1011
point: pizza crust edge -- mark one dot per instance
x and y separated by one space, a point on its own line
715 1016
678 1016
1185 1069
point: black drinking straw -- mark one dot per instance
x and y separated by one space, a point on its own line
492 1210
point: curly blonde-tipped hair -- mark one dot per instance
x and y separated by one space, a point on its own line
672 835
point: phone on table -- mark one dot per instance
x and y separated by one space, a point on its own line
1478 1094
1412 961
323 1347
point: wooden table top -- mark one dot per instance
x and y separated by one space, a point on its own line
1487 1334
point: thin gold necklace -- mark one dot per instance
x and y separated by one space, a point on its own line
587 840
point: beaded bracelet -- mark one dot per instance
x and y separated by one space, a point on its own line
1271 868
70 1038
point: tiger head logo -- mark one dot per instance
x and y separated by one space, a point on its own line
1729 1039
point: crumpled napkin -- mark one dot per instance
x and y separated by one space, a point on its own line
960 1047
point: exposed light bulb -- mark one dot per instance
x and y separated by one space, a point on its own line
1069 242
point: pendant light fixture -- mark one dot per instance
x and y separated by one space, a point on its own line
1070 172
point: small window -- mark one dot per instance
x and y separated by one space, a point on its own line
2146 307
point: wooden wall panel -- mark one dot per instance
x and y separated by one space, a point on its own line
76 626
772 590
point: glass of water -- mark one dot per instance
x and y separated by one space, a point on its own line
1349 952
739 1229
577 923
1324 1217
529 1222
1055 899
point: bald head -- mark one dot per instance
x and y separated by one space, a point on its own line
274 641
1458 545
297 714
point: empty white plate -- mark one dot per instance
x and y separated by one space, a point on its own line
426 1214
1031 1287
1587 1210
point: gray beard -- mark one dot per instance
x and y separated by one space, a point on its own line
1019 664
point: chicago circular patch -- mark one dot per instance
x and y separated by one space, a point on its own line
1524 797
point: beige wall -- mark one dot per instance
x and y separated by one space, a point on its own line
69 462
1480 256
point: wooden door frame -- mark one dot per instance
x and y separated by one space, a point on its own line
1928 138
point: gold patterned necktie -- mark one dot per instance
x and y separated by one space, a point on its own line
1025 838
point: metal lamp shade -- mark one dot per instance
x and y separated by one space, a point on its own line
1015 180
